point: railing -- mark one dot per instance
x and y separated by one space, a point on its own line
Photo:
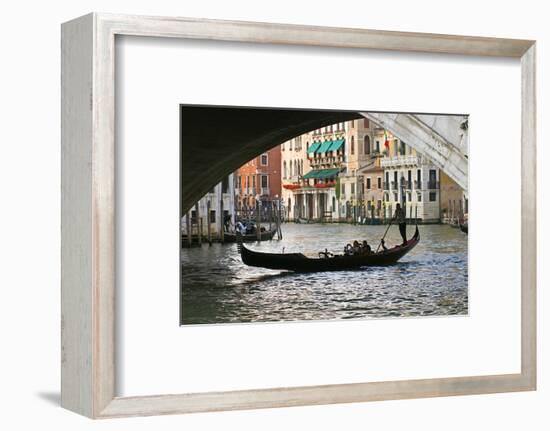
433 185
385 186
407 184
394 185
264 191
331 158
325 185
417 184
391 162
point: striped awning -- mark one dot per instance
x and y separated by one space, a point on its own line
313 147
322 173
324 147
336 144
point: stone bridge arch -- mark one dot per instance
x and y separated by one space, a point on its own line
218 140
443 139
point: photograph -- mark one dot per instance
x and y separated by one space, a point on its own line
300 215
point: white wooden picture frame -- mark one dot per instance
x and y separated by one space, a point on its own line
88 214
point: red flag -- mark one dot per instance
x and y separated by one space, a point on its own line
386 140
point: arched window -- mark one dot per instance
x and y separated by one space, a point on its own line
301 167
284 169
290 169
352 145
367 144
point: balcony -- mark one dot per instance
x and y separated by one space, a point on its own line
327 159
407 184
264 191
326 185
385 186
417 185
433 185
399 161
394 185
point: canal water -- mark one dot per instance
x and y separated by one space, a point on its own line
432 280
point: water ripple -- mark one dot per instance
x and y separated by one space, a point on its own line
431 280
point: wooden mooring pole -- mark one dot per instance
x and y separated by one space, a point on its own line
208 226
199 224
270 214
222 233
258 221
188 228
279 216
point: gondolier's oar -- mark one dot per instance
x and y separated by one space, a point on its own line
387 229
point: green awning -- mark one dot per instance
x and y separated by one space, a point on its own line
324 147
336 144
313 147
322 173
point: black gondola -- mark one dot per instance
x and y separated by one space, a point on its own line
250 237
300 263
464 228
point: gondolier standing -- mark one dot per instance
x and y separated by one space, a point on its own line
400 218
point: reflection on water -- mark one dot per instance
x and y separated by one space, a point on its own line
431 280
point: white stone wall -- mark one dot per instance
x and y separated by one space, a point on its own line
214 198
425 209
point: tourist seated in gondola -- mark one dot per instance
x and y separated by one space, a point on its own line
240 227
250 228
349 250
366 248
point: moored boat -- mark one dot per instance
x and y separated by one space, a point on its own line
298 262
250 237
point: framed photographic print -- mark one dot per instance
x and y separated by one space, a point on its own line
265 215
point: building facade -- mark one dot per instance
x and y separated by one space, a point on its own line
208 214
311 165
360 185
409 179
259 180
357 172
454 202
340 177
294 165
